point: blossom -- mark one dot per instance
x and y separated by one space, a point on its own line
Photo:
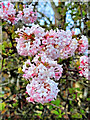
83 66
55 44
42 68
42 91
7 12
59 44
83 44
29 40
27 15
69 50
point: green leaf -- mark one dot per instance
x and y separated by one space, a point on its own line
77 115
60 116
4 23
41 107
13 35
50 107
15 104
2 106
70 102
74 96
84 13
82 111
55 112
19 70
10 51
10 44
56 102
5 44
88 99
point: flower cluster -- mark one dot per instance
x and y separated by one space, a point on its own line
56 44
42 91
29 40
83 44
46 47
40 73
8 13
42 67
59 44
27 15
83 66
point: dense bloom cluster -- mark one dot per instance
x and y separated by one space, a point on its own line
59 44
55 44
83 44
84 66
8 13
29 40
42 88
42 91
27 15
42 68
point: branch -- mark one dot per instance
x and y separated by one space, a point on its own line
45 16
57 15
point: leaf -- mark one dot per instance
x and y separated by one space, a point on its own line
15 104
56 102
50 107
41 107
5 44
19 70
2 106
77 115
10 51
13 35
55 112
82 111
88 99
4 23
74 96
84 13
10 44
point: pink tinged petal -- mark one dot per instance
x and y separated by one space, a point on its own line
79 67
80 72
49 100
26 92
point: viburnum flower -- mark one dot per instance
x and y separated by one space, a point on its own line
27 16
29 40
59 44
42 68
7 13
83 44
83 66
55 44
42 91
69 50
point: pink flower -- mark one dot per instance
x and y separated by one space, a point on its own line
43 92
27 16
84 66
29 40
8 13
59 44
44 68
83 44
